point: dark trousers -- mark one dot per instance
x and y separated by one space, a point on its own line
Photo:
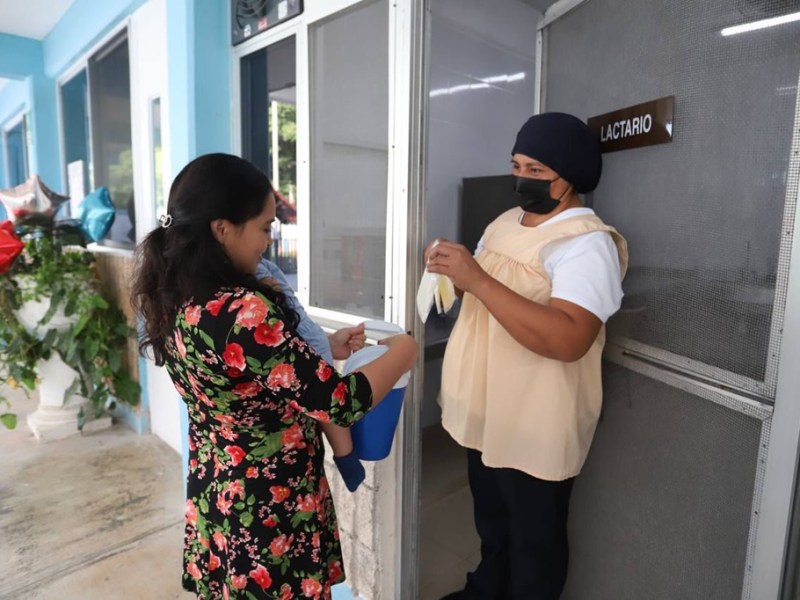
522 523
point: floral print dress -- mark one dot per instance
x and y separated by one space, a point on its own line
259 516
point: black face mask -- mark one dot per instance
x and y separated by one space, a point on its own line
535 195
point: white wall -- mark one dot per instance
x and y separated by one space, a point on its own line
148 48
471 131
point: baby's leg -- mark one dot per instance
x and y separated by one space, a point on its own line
339 437
344 456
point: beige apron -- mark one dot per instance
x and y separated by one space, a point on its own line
521 410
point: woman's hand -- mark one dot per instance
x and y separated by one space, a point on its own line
347 340
455 261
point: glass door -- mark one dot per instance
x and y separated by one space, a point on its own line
269 138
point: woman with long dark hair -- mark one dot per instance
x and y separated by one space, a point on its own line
259 516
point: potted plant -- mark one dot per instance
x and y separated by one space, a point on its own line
58 331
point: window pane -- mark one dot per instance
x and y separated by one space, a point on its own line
75 123
16 153
110 93
349 157
269 139
704 226
158 157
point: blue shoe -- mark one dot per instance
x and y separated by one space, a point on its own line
351 469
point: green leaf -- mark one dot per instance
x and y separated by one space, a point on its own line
253 363
246 519
270 445
9 420
251 500
91 348
80 324
239 506
299 517
203 503
207 339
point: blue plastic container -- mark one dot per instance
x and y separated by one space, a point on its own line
373 435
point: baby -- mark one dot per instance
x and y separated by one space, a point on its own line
352 338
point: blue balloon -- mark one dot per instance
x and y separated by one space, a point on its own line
97 214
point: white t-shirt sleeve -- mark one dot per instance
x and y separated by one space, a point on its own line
479 247
585 270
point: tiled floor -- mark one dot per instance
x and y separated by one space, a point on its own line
450 546
90 517
100 516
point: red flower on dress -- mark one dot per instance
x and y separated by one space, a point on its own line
311 588
213 561
324 372
261 576
293 438
194 571
214 306
233 356
307 503
286 592
334 571
179 344
234 373
269 335
280 545
220 541
228 434
280 493
319 415
340 393
191 512
224 504
282 376
236 454
248 389
236 489
252 311
271 522
239 581
252 472
193 315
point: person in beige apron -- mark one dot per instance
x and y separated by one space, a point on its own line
521 386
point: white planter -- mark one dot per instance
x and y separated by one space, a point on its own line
56 416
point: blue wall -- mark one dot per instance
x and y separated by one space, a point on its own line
39 64
22 59
14 98
198 55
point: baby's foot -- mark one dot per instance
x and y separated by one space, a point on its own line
351 469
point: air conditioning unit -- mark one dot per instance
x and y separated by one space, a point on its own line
251 17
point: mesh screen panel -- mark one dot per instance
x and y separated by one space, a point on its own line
704 214
662 508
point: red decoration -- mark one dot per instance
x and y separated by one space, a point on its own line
10 246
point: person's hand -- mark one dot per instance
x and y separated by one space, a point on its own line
347 340
455 261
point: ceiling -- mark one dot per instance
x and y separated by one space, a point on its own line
31 18
540 5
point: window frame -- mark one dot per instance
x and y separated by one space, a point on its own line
116 35
20 118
